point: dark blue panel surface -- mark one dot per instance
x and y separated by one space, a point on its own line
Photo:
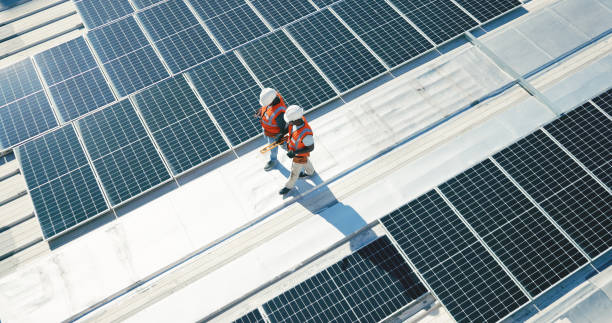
485 10
61 183
17 81
440 20
141 4
323 3
25 118
117 39
231 22
99 12
122 153
231 94
278 64
251 317
66 60
604 101
343 59
387 33
183 130
281 12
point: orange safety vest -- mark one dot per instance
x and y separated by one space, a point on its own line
295 138
268 117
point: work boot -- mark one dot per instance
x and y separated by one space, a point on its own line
305 176
284 191
270 165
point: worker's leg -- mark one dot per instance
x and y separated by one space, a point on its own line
296 168
273 151
309 169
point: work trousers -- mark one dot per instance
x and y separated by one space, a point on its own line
273 151
296 169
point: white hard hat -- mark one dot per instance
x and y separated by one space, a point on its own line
267 96
293 113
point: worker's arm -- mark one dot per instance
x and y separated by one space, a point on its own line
280 121
308 142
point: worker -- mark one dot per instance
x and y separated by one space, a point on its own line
271 115
300 143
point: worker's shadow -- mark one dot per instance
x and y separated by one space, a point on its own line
324 203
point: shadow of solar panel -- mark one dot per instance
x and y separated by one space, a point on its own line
181 127
17 81
231 22
231 95
75 81
485 10
440 20
99 12
343 59
25 118
387 33
604 101
572 197
536 253
278 64
251 317
281 12
122 153
180 38
61 183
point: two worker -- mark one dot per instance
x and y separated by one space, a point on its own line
277 121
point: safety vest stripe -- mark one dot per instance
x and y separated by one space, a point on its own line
270 122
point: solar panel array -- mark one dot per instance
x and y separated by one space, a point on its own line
251 317
96 13
604 101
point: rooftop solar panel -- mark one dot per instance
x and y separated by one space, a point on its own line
25 118
536 253
604 101
231 22
141 4
231 95
343 59
99 12
182 128
17 81
279 64
323 3
281 12
127 56
466 278
122 153
75 81
383 30
180 38
251 317
440 20
62 185
485 10
572 197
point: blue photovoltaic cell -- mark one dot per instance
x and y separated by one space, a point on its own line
127 56
604 101
122 153
99 12
25 118
440 20
180 38
387 33
278 64
17 81
281 12
75 81
564 190
343 59
181 127
231 95
466 278
323 3
61 183
141 4
231 22
485 10
251 317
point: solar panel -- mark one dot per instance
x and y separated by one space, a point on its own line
458 268
141 4
536 253
99 12
440 20
604 101
278 64
587 134
180 38
75 81
485 10
232 22
231 95
61 183
281 12
251 317
345 61
323 3
127 56
388 34
17 81
572 197
182 128
25 118
122 153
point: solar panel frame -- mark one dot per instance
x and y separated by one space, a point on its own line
279 13
18 81
25 118
96 13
